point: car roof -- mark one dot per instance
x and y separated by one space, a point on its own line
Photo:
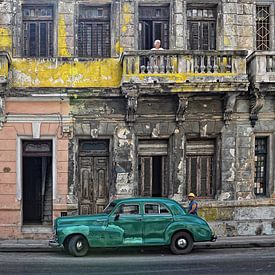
145 199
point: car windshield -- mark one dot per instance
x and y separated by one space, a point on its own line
109 208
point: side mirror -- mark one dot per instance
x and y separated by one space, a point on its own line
117 217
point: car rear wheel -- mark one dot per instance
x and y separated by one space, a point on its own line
78 246
182 243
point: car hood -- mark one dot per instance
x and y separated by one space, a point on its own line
83 219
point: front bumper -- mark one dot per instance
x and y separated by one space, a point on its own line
54 243
214 238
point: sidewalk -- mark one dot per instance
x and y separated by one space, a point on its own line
222 242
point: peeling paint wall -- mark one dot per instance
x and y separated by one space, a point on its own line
61 73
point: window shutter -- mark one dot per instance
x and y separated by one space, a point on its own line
193 35
32 39
200 167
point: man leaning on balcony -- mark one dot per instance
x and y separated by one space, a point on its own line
157 46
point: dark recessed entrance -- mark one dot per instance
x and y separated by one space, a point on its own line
153 168
37 182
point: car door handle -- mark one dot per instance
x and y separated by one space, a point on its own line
138 219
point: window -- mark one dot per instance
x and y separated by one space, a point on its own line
155 209
200 167
260 166
128 209
201 28
94 32
262 28
38 31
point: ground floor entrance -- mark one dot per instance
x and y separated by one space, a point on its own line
93 189
37 182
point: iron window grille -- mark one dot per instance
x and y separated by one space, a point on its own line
94 32
262 28
37 31
260 166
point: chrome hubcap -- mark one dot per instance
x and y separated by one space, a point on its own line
79 245
182 243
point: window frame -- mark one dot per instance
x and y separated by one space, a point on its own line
37 21
271 5
93 23
270 174
200 20
160 205
198 154
127 204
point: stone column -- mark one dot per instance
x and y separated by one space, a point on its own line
6 21
66 29
228 163
125 162
178 164
127 26
244 162
178 22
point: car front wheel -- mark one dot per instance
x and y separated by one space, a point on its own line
78 246
182 243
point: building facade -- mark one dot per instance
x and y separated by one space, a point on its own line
90 112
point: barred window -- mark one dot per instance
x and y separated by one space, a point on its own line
200 168
260 166
94 32
263 28
201 28
38 31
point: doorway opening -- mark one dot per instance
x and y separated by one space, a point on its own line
37 182
153 172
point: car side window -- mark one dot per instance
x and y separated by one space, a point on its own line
128 209
164 210
153 208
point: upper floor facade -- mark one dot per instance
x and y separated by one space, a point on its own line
97 44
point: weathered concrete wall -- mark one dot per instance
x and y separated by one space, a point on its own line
238 24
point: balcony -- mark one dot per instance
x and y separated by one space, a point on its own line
186 70
5 62
261 67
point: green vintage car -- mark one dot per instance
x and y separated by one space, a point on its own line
133 222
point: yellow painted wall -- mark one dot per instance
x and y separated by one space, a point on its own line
72 73
5 40
62 44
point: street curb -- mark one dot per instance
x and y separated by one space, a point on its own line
233 245
216 245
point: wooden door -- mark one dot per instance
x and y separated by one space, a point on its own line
93 188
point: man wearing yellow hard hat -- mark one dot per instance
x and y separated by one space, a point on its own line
193 205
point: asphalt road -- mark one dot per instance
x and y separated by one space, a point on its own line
149 261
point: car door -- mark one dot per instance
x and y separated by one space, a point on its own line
125 225
156 218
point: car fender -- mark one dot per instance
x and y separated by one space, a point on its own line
198 228
175 227
64 232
